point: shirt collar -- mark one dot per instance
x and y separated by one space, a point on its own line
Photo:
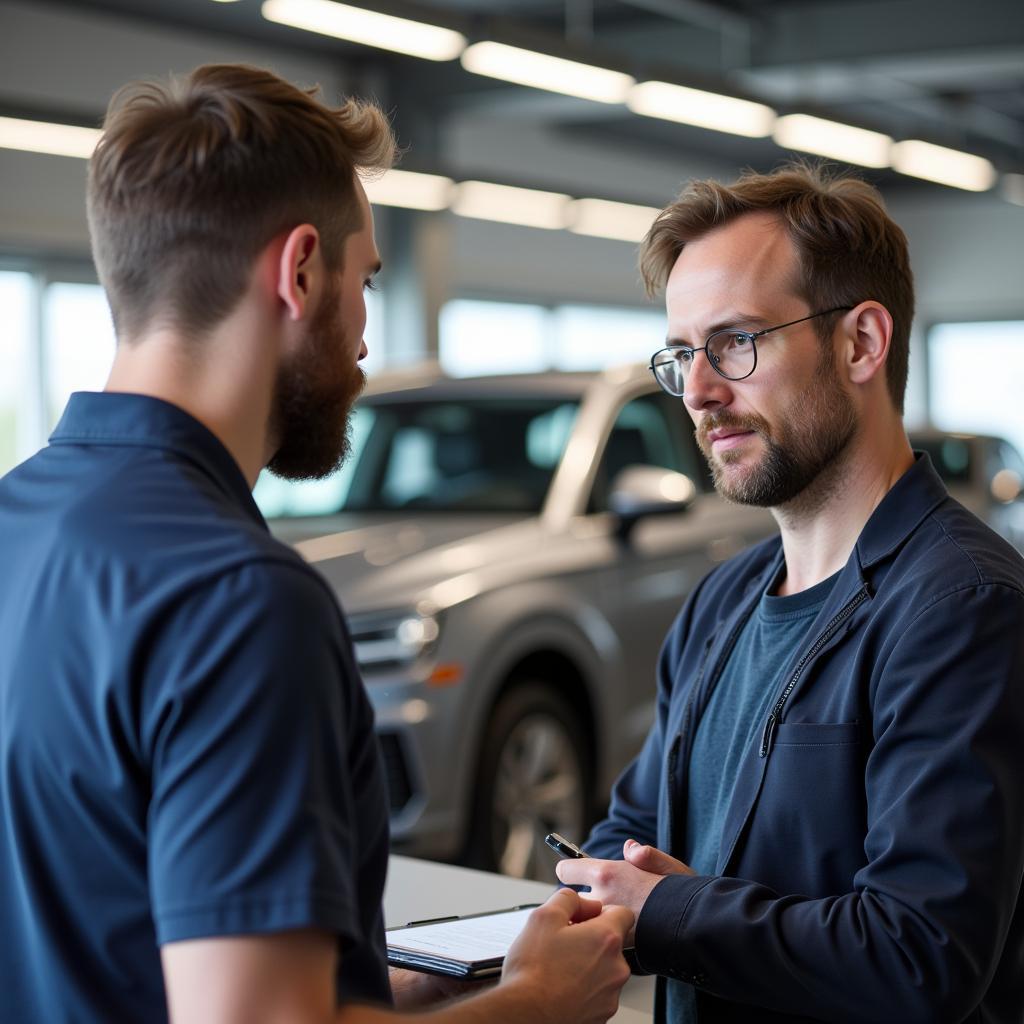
900 512
127 420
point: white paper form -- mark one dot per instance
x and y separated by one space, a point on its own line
467 939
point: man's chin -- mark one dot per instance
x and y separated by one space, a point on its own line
738 483
300 458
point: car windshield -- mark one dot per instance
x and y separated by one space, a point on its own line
457 455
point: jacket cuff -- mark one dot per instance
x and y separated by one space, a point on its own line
659 943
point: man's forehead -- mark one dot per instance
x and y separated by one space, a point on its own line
735 264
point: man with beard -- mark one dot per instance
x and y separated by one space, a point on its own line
194 816
825 821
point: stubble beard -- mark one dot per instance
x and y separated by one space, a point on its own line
313 399
803 458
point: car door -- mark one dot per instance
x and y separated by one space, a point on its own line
664 556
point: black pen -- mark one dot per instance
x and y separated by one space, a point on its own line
563 847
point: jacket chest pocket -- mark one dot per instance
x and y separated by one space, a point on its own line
807 830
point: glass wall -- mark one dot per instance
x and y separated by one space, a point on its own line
78 343
976 378
481 337
58 338
18 373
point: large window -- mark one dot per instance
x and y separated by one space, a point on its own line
78 343
18 413
481 337
58 338
493 337
976 378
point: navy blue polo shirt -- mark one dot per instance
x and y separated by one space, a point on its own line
186 749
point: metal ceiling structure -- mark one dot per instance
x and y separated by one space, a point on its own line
944 71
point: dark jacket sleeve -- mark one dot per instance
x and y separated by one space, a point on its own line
918 936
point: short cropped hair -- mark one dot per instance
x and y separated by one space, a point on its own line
194 176
850 249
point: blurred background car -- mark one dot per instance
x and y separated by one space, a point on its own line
983 472
511 552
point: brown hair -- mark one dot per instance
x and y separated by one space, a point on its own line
192 178
850 249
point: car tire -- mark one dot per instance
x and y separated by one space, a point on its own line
534 777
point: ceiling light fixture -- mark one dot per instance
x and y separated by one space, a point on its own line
526 206
945 166
47 137
624 222
542 71
410 189
702 109
414 38
832 139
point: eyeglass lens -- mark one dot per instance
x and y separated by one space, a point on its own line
730 352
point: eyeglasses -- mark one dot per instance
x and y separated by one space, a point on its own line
731 353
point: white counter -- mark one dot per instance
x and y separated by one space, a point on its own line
418 889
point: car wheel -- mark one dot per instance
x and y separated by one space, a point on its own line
534 778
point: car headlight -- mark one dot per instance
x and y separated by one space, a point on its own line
394 638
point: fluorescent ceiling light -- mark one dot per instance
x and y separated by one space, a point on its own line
542 71
603 219
509 205
946 166
410 189
43 137
367 27
832 139
703 109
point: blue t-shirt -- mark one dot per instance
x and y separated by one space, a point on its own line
730 729
185 746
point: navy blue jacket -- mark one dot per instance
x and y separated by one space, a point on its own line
872 859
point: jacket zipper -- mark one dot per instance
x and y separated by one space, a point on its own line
830 630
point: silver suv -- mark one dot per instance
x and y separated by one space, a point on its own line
510 553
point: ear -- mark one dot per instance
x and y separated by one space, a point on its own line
298 270
868 332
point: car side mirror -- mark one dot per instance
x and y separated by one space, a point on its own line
641 491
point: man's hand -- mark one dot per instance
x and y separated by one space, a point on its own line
626 883
570 956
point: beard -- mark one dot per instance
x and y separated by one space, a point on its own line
313 399
804 452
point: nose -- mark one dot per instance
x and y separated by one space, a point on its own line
363 351
705 389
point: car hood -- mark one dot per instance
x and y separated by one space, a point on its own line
385 561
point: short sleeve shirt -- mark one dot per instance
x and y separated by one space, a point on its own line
186 749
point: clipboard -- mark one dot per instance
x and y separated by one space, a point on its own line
471 948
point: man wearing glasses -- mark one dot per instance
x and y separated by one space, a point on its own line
826 820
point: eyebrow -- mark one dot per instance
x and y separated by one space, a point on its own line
375 269
739 320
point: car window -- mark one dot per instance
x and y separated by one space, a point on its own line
480 455
653 430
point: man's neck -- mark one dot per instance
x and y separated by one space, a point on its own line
225 381
820 528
